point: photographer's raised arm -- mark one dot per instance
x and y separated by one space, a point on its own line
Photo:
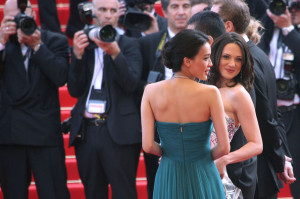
80 42
8 27
51 56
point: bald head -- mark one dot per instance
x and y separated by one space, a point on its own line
106 12
11 8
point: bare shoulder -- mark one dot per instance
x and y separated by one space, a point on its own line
240 93
209 89
241 97
153 88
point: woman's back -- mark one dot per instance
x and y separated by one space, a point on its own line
181 100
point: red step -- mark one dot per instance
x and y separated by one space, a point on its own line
77 191
64 114
72 169
65 99
35 2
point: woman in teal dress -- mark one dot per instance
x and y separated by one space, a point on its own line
183 110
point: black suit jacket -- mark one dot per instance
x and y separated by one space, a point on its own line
121 78
152 59
272 160
29 109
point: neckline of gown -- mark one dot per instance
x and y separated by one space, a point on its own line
186 123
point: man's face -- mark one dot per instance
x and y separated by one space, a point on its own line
106 12
178 13
295 12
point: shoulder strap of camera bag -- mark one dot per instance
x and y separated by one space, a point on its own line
161 44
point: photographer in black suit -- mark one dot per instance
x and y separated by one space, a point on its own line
284 54
33 64
105 124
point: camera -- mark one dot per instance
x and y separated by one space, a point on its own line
106 33
286 86
295 5
23 21
134 17
278 7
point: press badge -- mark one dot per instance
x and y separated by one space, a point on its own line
96 106
288 56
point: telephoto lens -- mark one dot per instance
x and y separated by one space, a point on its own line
25 23
277 7
106 33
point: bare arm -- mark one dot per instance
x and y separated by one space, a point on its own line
245 112
218 117
148 128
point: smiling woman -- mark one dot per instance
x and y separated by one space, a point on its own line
232 73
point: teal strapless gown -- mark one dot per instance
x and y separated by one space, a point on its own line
186 170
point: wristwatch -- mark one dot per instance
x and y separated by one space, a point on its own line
287 30
37 47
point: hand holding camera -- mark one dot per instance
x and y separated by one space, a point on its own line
153 25
30 40
8 27
110 48
282 20
80 42
105 37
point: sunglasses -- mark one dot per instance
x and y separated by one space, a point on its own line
295 5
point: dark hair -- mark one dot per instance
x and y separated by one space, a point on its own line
196 2
209 23
236 11
186 43
246 75
164 4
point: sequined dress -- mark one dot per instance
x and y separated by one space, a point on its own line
231 191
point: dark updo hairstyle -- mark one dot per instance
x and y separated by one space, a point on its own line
186 43
246 75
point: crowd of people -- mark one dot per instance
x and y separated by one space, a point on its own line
210 93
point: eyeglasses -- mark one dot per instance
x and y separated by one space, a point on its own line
295 5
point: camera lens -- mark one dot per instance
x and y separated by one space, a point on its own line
106 33
27 25
277 7
282 85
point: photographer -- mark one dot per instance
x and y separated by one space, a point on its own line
105 122
144 8
285 56
33 64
